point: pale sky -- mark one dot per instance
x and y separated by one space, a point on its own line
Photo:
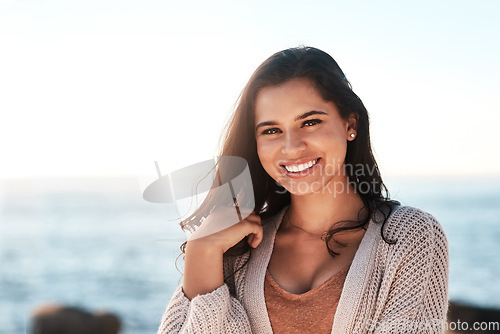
90 88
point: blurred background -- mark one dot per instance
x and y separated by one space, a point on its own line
93 92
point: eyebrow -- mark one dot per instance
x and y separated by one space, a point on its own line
298 118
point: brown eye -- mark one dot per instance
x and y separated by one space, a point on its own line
311 122
271 131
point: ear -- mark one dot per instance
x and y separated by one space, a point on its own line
351 125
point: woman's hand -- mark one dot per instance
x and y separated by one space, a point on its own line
221 230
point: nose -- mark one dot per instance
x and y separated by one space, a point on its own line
292 144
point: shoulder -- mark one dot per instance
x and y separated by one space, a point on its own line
419 248
419 242
409 225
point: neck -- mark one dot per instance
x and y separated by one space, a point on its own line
317 212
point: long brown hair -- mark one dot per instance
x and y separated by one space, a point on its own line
239 139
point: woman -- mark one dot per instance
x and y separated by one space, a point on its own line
329 251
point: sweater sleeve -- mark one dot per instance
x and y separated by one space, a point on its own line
418 296
214 312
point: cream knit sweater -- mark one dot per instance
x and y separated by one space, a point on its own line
399 288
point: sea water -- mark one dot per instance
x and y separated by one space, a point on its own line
98 245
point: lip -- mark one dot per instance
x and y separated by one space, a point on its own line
304 173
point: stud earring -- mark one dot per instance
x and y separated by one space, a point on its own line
352 135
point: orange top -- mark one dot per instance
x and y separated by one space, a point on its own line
310 312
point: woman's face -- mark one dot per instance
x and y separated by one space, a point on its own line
301 138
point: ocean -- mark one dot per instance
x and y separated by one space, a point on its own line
95 243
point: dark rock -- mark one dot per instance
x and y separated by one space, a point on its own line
462 318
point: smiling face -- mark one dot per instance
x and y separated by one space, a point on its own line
301 138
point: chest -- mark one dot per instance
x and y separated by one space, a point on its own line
301 266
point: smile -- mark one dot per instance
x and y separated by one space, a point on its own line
297 168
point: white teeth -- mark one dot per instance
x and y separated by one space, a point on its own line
301 167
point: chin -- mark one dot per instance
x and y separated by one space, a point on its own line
302 188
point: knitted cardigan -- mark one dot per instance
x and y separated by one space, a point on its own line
390 288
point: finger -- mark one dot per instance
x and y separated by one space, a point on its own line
232 235
254 219
256 235
247 228
257 238
250 239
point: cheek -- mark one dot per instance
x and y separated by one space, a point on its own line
338 151
266 151
333 145
336 146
